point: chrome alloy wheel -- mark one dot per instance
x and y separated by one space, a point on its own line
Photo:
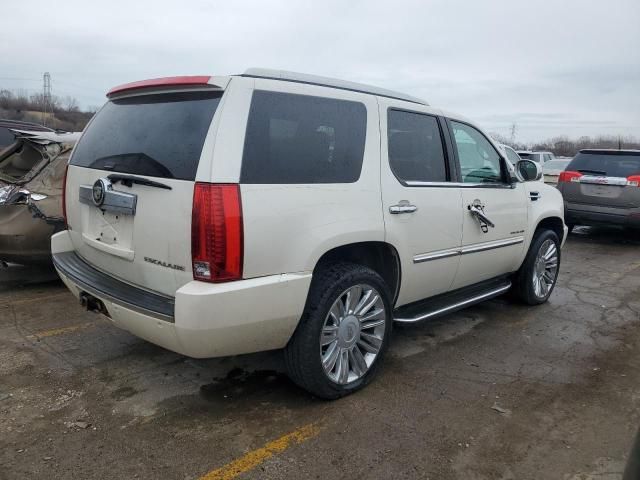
352 334
545 268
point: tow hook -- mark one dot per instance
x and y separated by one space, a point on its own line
92 304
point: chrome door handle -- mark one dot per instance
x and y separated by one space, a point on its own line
403 207
477 211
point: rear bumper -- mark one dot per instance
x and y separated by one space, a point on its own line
579 214
203 320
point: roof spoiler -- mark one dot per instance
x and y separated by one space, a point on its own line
190 81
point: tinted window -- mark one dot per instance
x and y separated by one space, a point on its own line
155 135
415 147
479 161
512 156
303 139
611 164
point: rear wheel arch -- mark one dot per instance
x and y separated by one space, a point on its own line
381 257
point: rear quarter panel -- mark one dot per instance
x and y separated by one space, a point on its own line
287 228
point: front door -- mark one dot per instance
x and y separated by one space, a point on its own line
494 209
422 207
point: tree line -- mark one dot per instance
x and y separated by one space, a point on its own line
563 146
62 113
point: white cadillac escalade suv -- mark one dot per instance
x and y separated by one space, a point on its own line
225 215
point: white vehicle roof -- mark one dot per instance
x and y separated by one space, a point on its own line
329 82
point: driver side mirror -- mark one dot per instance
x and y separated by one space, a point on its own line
528 170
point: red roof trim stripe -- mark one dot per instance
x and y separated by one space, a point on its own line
161 82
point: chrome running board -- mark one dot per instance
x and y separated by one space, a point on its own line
441 306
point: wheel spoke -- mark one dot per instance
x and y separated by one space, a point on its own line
329 334
353 297
330 357
357 361
343 374
372 301
374 315
365 298
550 252
371 324
369 342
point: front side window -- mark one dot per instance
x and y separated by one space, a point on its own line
303 139
479 161
415 147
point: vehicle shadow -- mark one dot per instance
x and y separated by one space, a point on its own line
13 275
605 235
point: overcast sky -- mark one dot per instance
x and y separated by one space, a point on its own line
567 67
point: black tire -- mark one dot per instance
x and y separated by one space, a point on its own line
523 282
303 355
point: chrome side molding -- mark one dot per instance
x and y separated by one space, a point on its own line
478 247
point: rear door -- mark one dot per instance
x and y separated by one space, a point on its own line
422 208
606 179
130 185
488 250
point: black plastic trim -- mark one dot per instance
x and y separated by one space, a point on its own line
95 282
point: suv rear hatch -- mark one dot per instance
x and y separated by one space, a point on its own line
131 179
603 178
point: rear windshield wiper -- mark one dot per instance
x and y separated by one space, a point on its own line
595 172
129 180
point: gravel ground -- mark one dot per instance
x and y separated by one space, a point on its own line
497 391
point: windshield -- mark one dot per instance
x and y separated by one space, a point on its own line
155 135
612 164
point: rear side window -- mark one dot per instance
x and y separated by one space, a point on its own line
611 164
415 147
303 139
153 135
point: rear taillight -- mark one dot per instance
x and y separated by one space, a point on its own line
633 181
216 232
569 176
64 196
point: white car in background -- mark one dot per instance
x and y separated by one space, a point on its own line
552 169
539 157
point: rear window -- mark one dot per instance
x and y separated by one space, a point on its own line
153 135
611 164
303 139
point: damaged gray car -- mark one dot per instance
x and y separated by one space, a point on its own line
32 172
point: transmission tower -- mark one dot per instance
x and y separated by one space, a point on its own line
46 97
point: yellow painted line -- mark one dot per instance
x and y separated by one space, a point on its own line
254 458
61 331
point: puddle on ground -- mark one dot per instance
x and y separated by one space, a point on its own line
240 383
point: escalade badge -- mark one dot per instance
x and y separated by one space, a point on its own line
99 191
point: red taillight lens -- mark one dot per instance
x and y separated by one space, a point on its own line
633 181
64 196
568 176
216 232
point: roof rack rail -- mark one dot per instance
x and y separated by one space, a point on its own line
328 82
